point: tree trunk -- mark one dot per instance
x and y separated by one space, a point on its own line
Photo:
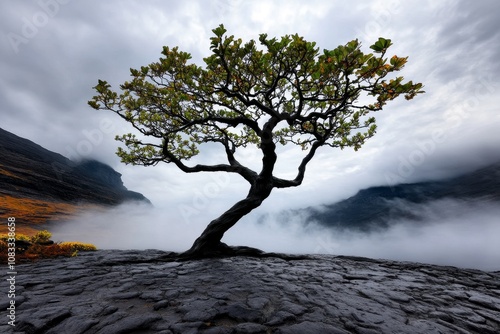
209 242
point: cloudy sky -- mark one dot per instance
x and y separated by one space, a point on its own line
53 52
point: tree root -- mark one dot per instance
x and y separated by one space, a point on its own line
221 251
224 251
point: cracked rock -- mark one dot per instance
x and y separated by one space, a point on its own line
112 291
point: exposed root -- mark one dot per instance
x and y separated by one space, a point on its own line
223 251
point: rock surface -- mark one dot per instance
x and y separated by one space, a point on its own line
128 292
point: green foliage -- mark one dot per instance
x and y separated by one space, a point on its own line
381 45
279 90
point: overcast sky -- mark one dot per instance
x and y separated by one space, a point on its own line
54 51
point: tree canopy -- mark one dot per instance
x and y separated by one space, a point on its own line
263 93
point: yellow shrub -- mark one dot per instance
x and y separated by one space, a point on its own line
78 246
5 236
42 236
37 251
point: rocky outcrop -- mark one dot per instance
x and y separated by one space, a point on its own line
37 185
28 170
130 292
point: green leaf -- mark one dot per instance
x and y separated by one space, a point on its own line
219 31
381 45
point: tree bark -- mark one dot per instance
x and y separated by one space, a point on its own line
209 242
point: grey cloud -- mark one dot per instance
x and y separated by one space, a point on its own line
470 37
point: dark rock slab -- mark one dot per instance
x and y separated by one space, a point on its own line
308 327
131 292
43 319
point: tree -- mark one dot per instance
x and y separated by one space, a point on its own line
277 91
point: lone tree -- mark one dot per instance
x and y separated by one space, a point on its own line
275 91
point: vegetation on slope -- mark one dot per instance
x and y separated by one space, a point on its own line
38 246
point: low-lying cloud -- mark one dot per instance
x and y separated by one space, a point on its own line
450 232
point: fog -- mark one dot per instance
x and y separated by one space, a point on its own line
449 232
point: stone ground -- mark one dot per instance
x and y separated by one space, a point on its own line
125 292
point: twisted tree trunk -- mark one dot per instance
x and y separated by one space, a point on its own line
209 242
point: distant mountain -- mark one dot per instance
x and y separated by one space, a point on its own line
40 185
376 207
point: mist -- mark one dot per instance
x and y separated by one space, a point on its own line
449 232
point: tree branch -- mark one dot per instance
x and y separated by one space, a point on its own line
234 167
282 183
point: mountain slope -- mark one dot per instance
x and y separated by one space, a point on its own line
376 207
37 185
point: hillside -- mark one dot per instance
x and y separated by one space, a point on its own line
376 207
37 185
